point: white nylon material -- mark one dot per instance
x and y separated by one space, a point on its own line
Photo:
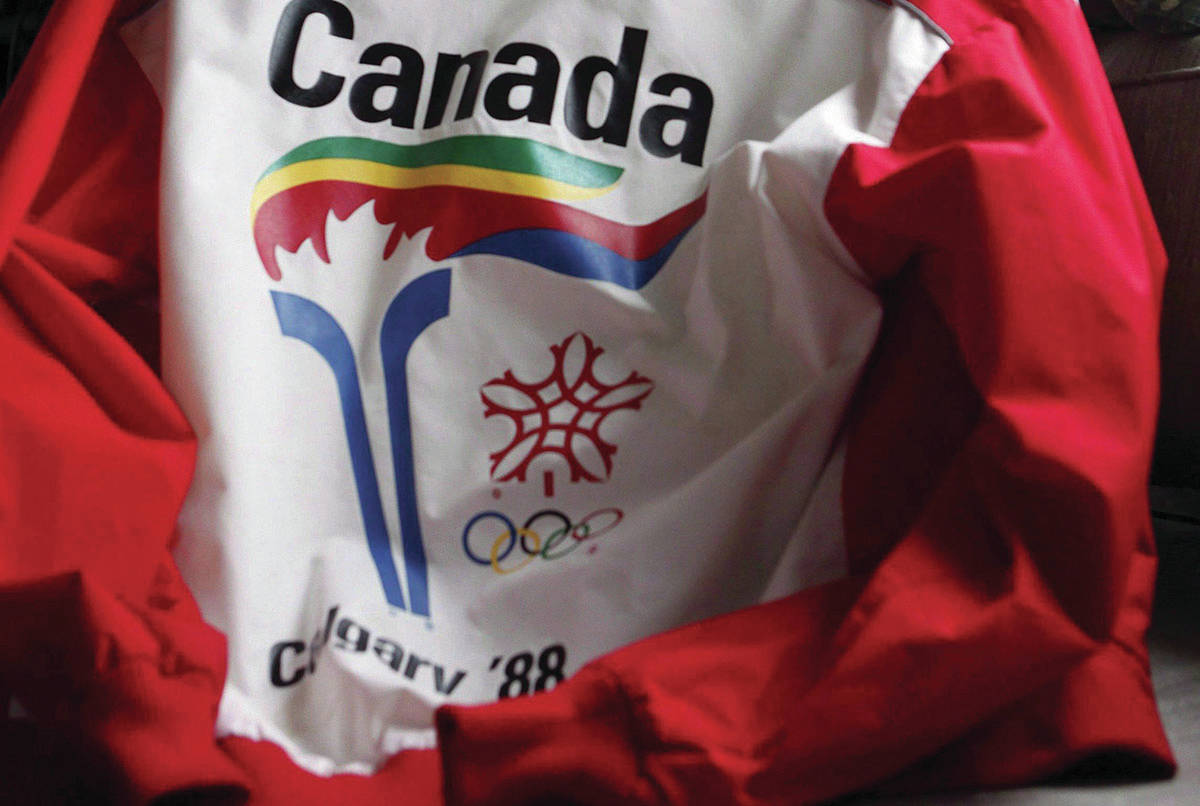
724 488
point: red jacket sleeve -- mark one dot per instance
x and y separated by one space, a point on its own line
994 496
100 642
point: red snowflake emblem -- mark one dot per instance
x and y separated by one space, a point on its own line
562 413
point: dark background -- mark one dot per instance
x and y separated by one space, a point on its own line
19 21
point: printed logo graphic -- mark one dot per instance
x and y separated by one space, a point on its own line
476 195
562 413
481 195
548 534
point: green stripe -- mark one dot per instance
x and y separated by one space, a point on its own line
483 151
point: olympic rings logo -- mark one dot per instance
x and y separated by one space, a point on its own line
566 537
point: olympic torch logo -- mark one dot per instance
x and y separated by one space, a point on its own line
468 195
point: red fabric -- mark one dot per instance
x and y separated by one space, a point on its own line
994 491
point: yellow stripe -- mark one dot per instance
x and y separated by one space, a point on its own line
389 176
